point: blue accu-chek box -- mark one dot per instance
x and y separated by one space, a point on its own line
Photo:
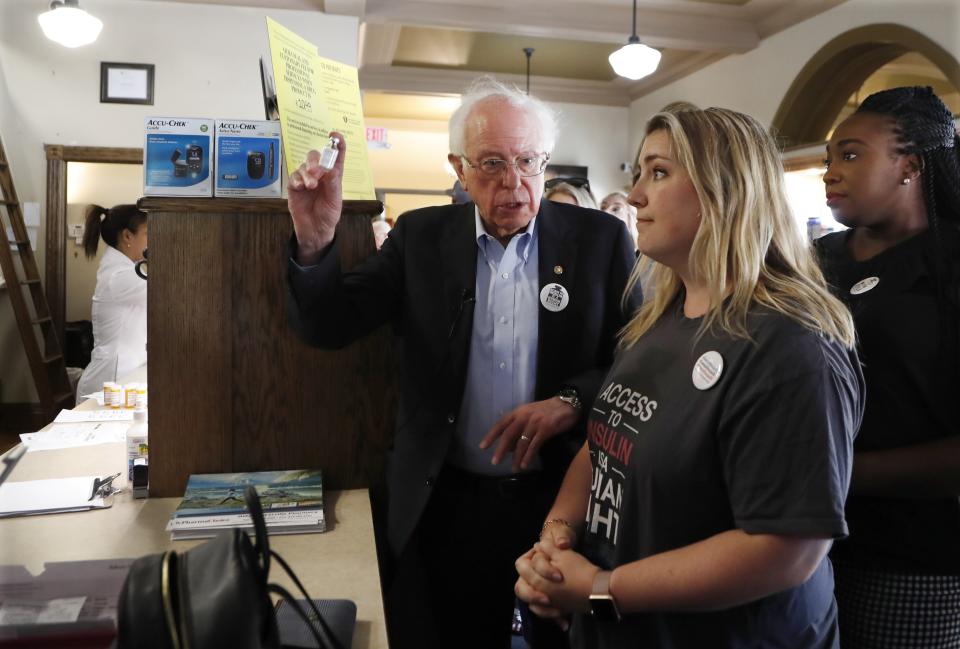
177 157
247 158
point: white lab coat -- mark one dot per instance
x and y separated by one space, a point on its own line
119 322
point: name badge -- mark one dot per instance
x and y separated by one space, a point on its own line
864 285
554 297
707 370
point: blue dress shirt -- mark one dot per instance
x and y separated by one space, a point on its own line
502 370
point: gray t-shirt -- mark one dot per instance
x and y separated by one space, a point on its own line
764 444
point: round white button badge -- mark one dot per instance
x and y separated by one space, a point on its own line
554 297
864 285
707 370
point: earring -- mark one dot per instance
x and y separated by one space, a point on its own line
905 181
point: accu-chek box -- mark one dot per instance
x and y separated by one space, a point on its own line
177 158
247 158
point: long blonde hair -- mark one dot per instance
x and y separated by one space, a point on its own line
748 249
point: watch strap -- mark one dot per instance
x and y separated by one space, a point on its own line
601 583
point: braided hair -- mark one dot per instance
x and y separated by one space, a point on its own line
923 126
107 224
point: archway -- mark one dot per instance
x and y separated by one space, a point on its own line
819 92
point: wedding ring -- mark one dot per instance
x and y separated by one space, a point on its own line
525 438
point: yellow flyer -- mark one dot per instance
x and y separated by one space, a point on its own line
315 96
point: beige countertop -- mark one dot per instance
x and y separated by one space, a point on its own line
338 564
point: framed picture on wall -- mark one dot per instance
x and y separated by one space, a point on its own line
126 83
564 171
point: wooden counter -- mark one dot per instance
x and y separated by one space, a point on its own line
231 387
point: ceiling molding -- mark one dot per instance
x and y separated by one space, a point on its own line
781 16
345 7
385 78
292 5
573 21
378 43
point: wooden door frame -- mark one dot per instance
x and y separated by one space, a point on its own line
55 262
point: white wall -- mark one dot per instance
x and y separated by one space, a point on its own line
757 81
595 137
206 59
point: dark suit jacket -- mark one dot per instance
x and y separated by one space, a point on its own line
422 280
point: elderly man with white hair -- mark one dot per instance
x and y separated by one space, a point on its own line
507 310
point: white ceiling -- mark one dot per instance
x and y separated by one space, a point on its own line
439 46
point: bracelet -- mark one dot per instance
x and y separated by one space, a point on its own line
555 520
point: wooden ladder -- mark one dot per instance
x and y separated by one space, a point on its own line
47 363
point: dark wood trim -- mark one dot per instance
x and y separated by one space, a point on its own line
110 155
55 262
242 205
55 259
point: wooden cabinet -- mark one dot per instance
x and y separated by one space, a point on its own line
231 387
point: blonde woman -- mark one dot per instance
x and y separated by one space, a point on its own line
573 191
617 205
701 509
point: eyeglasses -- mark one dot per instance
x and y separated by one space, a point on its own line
527 165
574 181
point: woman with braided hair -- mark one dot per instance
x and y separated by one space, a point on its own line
893 177
119 311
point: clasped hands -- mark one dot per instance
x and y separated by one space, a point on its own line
554 579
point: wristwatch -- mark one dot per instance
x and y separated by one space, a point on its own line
570 395
602 605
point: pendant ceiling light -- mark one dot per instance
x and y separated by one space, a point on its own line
635 60
528 52
66 23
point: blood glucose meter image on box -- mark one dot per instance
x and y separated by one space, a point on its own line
256 161
195 157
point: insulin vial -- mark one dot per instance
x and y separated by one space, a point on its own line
328 157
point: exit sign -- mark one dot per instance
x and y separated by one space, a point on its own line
377 137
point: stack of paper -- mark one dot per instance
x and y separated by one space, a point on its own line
48 496
292 503
72 435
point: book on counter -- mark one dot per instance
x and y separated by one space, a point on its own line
292 503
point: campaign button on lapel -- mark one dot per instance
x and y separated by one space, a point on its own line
707 370
554 297
864 285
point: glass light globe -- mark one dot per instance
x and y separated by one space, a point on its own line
70 26
635 60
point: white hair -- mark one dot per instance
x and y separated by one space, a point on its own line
486 87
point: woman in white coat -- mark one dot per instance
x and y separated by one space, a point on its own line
120 298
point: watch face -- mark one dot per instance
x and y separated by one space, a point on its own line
604 608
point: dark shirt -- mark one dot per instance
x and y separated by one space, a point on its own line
767 449
912 397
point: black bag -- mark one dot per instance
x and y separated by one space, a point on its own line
213 595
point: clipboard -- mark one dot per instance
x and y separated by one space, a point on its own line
33 497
